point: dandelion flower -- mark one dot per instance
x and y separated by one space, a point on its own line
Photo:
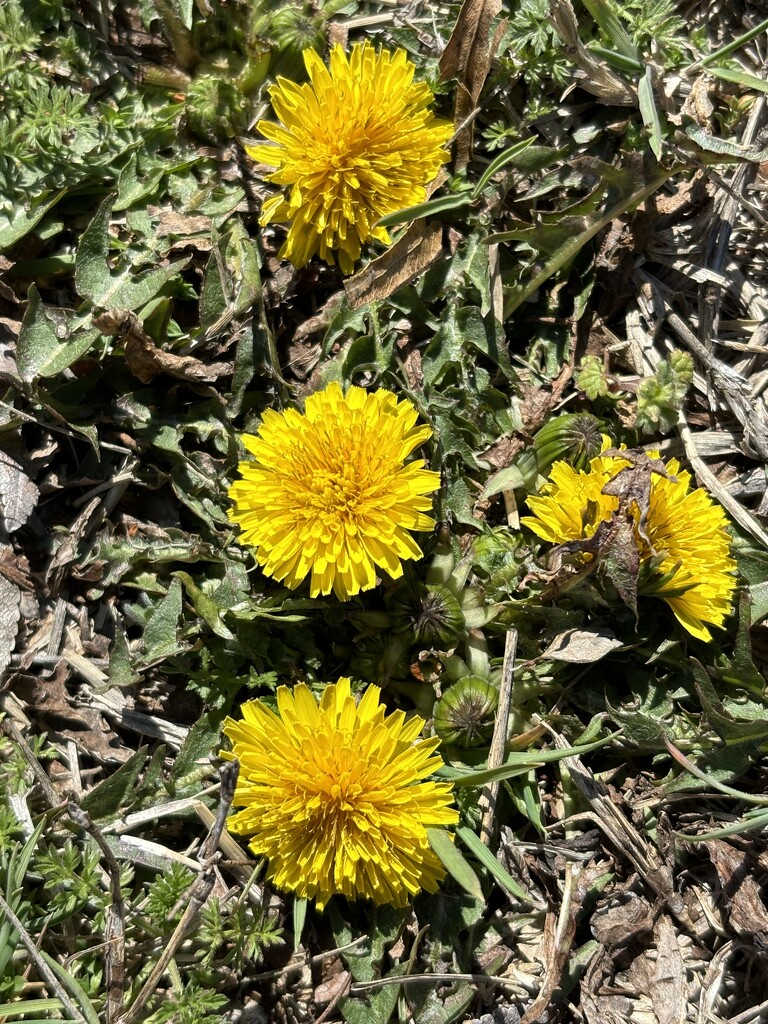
330 490
334 795
689 550
356 142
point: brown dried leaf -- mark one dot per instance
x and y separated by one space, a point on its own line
9 333
145 360
621 558
411 255
10 611
632 485
503 451
624 923
331 990
181 225
582 646
668 990
18 494
598 79
49 703
467 57
554 953
735 869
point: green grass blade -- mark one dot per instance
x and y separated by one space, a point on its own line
736 828
608 21
739 41
649 112
501 161
299 917
517 763
73 988
29 1006
454 863
739 77
432 206
492 866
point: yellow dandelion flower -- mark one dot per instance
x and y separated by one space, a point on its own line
357 142
687 531
334 795
330 491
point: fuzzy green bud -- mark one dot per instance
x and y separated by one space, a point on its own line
290 29
681 365
215 109
591 378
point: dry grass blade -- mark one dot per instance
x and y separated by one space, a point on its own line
490 791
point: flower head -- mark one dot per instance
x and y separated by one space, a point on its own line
684 538
357 142
334 795
330 490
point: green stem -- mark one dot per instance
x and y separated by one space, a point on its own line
572 247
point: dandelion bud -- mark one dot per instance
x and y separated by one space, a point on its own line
465 713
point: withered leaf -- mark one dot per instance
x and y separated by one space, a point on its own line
411 255
736 869
10 611
668 989
612 550
621 558
52 707
623 923
582 646
632 485
467 57
145 360
603 83
18 494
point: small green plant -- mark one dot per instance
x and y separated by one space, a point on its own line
660 397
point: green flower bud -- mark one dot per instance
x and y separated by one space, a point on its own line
215 109
290 29
431 613
574 437
465 714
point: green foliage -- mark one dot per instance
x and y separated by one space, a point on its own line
591 378
55 883
193 1004
235 935
534 47
164 900
72 874
656 27
157 325
659 398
